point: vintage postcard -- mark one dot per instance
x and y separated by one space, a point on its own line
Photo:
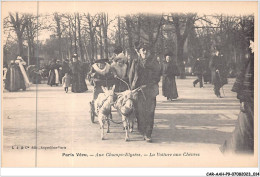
129 84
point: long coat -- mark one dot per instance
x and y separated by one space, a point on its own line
53 77
14 78
78 78
145 72
198 67
169 87
218 78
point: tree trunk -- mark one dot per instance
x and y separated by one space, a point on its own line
119 31
179 55
29 45
130 37
75 35
20 44
105 27
58 28
101 42
96 47
92 43
80 41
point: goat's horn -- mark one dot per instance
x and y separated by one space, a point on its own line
135 90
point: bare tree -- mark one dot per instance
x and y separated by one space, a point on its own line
80 39
92 24
105 24
182 27
17 22
130 36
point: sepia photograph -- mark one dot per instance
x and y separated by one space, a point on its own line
129 84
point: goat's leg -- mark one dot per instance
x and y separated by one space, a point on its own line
101 123
108 125
131 120
102 132
126 126
131 125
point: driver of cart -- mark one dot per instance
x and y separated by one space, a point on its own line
101 75
119 70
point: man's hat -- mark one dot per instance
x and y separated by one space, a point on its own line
102 61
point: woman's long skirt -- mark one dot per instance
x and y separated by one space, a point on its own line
242 138
169 87
14 79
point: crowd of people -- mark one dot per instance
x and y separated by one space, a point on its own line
145 71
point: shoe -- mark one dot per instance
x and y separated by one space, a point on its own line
219 96
148 139
194 85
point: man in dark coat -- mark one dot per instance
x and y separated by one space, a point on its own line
242 139
218 72
145 72
198 69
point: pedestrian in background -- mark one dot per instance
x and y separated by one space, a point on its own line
218 72
53 78
198 70
78 76
169 71
16 77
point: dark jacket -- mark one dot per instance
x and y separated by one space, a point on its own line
169 69
145 72
220 77
198 67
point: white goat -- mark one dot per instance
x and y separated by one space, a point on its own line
125 107
103 105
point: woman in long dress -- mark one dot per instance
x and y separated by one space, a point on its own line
169 71
53 78
78 76
16 77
